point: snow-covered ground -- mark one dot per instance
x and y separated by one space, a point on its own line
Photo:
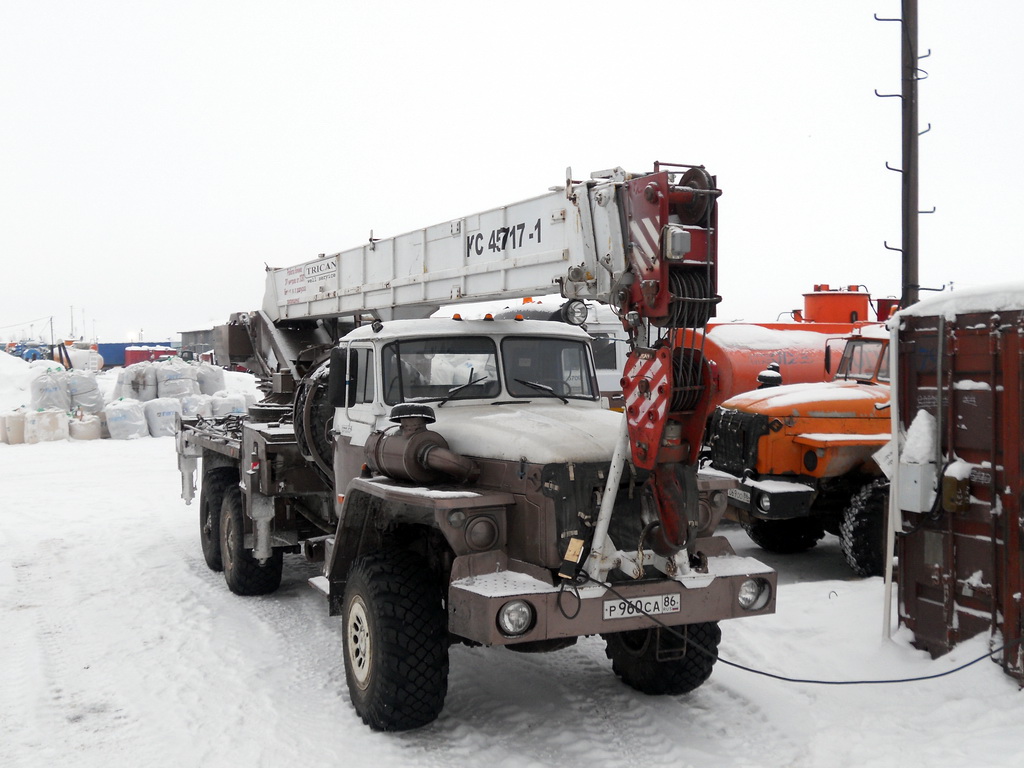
120 648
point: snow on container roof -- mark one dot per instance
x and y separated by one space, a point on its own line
987 298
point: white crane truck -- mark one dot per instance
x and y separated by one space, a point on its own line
459 479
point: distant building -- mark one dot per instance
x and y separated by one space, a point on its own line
196 344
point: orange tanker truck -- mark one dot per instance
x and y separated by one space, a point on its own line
803 455
740 353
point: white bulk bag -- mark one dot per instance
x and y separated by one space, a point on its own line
227 403
126 420
196 405
85 392
50 390
85 427
136 382
14 422
46 425
211 378
162 416
176 378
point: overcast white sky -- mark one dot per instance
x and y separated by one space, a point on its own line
155 155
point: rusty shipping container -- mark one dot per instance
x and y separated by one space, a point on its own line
959 482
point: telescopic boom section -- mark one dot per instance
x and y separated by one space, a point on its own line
672 253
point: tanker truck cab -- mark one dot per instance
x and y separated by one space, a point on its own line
864 359
803 455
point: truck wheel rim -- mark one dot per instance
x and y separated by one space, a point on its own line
228 554
357 639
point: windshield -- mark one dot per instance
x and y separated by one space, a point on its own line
862 359
430 369
539 367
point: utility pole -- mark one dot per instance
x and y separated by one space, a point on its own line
911 280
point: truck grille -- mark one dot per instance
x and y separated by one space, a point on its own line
734 438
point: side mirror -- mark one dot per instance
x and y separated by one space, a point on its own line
340 386
828 359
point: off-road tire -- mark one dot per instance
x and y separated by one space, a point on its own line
242 572
862 533
396 641
211 495
634 656
786 537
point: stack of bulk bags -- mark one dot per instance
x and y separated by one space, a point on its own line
46 425
136 382
50 390
211 378
126 420
176 378
85 392
163 416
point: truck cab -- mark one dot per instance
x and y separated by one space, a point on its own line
803 456
502 420
498 390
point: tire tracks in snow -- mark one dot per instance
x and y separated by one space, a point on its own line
63 665
553 709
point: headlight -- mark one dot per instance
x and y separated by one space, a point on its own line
575 312
515 617
481 533
764 502
754 594
810 461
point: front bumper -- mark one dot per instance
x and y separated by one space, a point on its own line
772 499
474 601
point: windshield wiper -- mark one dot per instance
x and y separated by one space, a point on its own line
455 390
543 388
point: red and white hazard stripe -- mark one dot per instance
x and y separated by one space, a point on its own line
646 235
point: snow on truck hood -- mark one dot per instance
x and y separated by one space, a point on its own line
540 433
827 397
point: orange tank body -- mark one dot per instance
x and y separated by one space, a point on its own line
740 351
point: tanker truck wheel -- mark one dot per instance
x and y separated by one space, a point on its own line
211 495
242 572
797 534
396 641
665 665
862 532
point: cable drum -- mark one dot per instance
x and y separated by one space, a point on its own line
691 300
313 417
693 210
687 379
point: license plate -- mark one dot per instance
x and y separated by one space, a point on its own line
655 605
739 494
